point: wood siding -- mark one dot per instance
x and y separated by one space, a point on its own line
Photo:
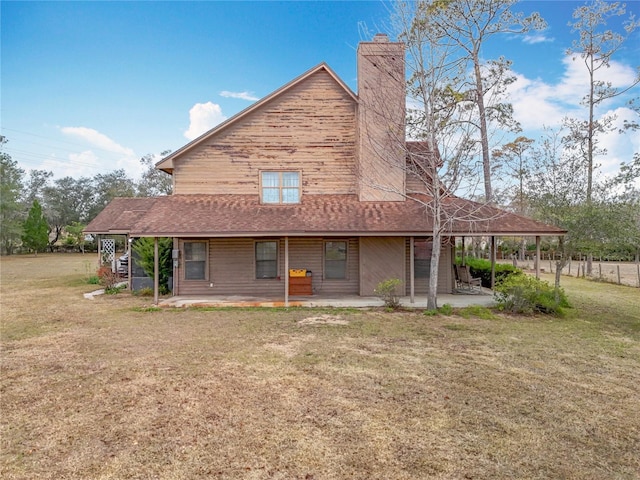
310 128
381 258
445 273
231 268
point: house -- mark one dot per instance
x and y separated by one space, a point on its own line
309 179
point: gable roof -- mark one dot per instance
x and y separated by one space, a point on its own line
316 215
166 163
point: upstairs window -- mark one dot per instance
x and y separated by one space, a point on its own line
280 187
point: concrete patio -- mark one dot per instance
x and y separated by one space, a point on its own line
458 300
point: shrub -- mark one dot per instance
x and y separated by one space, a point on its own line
525 294
387 291
144 250
108 279
446 309
144 292
480 267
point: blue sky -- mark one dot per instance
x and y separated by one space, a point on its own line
89 87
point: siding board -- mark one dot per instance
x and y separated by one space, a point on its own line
232 268
311 128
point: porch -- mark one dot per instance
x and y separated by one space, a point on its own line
484 299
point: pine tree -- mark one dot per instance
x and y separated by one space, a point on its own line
35 234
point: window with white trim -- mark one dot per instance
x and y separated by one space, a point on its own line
195 260
266 259
280 187
335 260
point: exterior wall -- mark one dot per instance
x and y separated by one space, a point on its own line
231 268
381 258
445 273
311 128
381 120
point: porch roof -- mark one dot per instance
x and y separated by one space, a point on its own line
315 215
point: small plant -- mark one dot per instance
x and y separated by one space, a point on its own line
387 292
476 311
430 313
446 309
108 279
526 294
114 290
93 280
144 292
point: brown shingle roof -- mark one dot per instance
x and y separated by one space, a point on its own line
243 215
120 215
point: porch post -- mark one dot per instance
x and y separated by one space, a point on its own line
412 270
462 255
99 250
538 257
286 271
129 267
493 261
156 273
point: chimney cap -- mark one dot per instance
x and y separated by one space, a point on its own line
381 38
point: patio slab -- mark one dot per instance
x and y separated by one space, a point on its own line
458 300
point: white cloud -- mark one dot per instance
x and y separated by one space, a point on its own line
203 117
97 139
537 103
111 156
534 38
620 148
241 95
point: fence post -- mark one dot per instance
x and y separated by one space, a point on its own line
618 274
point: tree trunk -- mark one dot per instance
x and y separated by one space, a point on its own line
432 295
484 136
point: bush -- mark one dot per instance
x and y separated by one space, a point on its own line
479 267
387 291
144 250
446 309
525 294
108 279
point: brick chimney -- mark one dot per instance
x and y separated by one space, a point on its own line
381 120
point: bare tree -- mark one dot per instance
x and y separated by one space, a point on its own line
513 159
466 25
596 46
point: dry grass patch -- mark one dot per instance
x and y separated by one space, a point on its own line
103 389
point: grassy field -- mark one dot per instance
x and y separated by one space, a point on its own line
112 389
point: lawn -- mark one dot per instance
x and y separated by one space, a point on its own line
112 389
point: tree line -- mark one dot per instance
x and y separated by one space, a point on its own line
38 212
